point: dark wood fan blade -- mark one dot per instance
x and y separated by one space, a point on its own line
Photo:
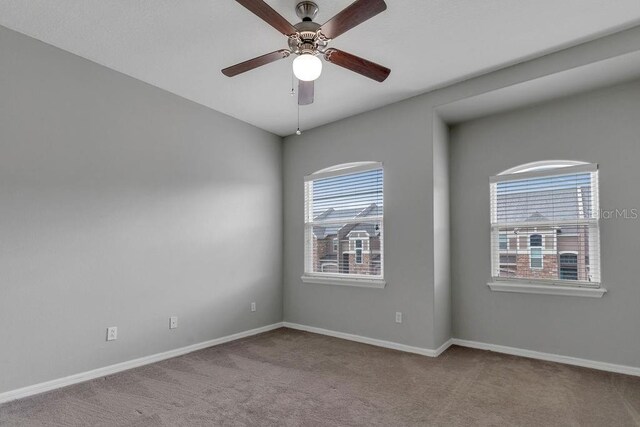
354 15
359 65
242 67
305 92
270 16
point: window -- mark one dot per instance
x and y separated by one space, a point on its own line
508 265
344 224
544 224
535 251
504 242
569 266
358 251
535 240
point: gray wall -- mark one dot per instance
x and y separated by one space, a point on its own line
120 205
410 139
601 127
441 233
396 136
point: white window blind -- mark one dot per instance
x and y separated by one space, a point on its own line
545 225
344 222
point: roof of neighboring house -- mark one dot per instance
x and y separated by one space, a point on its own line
342 230
370 228
556 204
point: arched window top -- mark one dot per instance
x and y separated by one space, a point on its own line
535 240
544 169
343 169
343 166
542 166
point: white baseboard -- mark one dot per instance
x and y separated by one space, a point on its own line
119 367
443 347
370 341
585 363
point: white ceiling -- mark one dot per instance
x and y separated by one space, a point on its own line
180 46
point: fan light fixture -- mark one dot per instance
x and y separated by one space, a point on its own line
307 67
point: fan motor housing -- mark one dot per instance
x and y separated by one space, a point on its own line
307 40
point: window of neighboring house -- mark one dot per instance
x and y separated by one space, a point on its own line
508 265
569 266
504 242
551 209
343 203
535 251
358 251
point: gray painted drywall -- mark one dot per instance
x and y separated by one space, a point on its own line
407 137
120 205
601 127
408 234
441 234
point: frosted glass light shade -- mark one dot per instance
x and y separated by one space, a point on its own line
307 67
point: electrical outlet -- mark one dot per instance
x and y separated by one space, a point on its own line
112 333
253 306
398 317
173 322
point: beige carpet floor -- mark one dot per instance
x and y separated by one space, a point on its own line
292 378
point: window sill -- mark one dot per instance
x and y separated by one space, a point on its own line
529 288
339 281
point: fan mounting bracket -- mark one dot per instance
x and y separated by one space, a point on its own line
307 10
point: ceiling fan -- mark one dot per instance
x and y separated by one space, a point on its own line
308 40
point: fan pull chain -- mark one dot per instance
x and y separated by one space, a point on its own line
298 132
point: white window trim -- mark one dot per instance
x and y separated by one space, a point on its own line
541 289
327 279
